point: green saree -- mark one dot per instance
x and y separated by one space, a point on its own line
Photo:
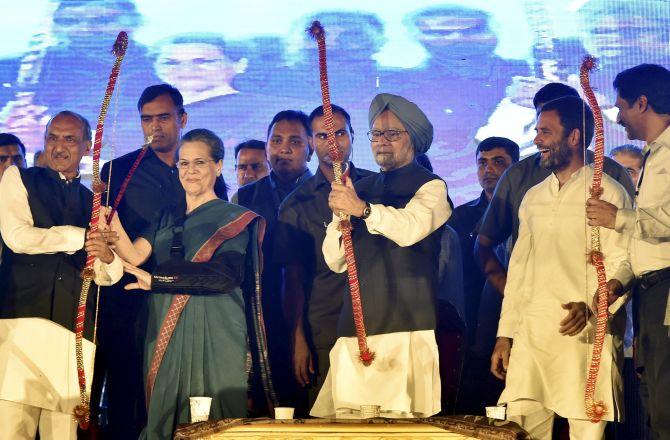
200 340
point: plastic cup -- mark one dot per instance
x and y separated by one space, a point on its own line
200 408
370 411
495 412
284 413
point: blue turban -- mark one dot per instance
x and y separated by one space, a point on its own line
416 123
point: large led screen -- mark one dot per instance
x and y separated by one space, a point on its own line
472 65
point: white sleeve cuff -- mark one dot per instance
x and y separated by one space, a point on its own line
374 219
108 274
505 329
620 302
332 248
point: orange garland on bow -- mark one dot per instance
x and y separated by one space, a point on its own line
366 356
595 409
82 411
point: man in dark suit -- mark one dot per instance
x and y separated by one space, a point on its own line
289 148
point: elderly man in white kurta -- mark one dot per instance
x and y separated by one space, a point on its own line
44 214
397 216
546 329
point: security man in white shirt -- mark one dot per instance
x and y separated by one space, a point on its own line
643 100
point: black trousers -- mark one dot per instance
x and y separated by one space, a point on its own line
120 356
634 425
654 354
321 360
479 388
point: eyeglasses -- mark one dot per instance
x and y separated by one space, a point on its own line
390 135
16 158
198 164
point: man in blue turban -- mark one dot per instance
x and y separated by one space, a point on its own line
397 217
414 120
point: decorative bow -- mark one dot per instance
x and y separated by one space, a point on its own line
82 411
366 356
595 409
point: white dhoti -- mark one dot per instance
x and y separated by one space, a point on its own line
38 377
403 380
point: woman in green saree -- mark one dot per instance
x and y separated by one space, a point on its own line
204 309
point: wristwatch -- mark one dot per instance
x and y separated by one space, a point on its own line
366 211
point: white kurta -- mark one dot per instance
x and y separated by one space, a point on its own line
649 222
548 268
404 379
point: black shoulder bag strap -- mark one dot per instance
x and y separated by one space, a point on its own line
177 248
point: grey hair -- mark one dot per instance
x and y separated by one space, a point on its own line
86 126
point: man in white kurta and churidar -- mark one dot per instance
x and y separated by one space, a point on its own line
546 319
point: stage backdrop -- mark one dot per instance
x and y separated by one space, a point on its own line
472 65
